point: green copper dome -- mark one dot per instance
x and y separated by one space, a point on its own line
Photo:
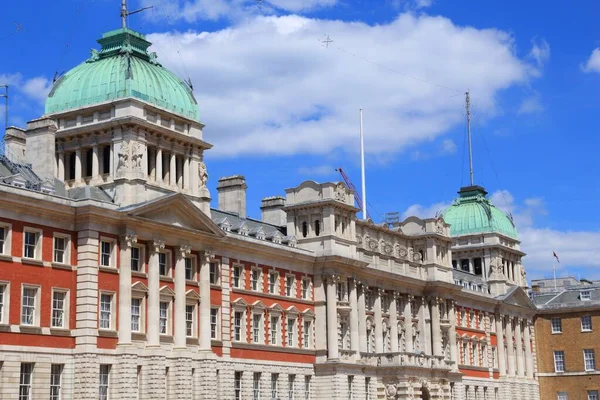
473 213
122 68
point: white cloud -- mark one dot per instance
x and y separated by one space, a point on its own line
593 63
530 105
267 80
540 51
421 211
448 146
37 88
318 170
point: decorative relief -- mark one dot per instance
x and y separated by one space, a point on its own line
387 248
123 155
340 192
402 253
390 391
202 174
137 153
439 226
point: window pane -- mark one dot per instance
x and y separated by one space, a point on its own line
28 310
135 259
55 381
2 239
30 241
58 308
189 320
59 249
163 318
135 314
25 381
105 311
104 382
105 254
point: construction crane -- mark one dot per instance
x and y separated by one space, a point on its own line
351 186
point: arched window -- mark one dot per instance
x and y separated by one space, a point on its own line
317 227
304 229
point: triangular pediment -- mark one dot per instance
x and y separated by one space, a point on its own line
175 210
517 297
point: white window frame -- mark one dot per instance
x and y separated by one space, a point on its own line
37 249
215 323
350 387
36 304
140 316
307 333
592 395
4 302
291 386
241 326
289 289
168 316
589 360
306 290
26 380
104 381
217 273
585 295
559 361
307 387
237 385
275 386
274 328
562 396
140 261
240 277
255 284
66 251
556 324
190 325
274 284
65 309
111 318
56 371
5 248
256 385
258 332
586 323
293 332
168 264
194 263
463 317
112 258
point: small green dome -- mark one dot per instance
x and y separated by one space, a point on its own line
122 68
473 213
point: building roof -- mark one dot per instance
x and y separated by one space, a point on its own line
122 68
234 219
568 298
472 212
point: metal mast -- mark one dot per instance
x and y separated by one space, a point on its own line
362 168
468 106
124 13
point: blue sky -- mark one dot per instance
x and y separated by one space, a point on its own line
281 108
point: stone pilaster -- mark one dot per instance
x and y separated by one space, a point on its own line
500 344
378 321
452 335
180 323
408 329
362 320
154 293
354 335
332 330
394 322
510 347
125 289
205 301
436 331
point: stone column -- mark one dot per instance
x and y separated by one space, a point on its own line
180 328
408 331
125 289
378 321
353 316
362 320
528 352
78 165
154 293
519 343
436 330
95 162
205 301
394 322
332 330
452 335
111 167
186 173
61 166
500 344
172 170
159 165
510 349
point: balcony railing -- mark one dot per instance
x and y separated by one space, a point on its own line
404 359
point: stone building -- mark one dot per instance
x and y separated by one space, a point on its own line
567 342
118 280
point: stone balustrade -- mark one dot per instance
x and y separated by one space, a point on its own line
404 359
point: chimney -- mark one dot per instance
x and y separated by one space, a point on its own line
40 148
232 194
272 212
14 142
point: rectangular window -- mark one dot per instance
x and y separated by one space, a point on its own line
256 386
163 318
291 386
136 308
214 273
163 267
2 238
273 282
30 243
559 361
585 295
289 286
256 326
307 387
274 379
60 250
367 388
106 311
189 269
136 265
237 385
58 309
25 381
586 323
237 276
291 332
28 306
189 320
463 318
55 381
305 289
589 359
562 396
104 382
464 265
2 302
592 395
237 326
307 333
274 330
556 325
350 386
214 319
105 253
254 276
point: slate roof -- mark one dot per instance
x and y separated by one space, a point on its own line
568 298
218 216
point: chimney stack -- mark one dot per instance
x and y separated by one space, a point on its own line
40 147
232 194
272 212
15 142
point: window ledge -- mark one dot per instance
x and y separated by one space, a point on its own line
6 257
30 329
62 266
139 336
557 333
192 282
191 341
166 339
108 333
4 328
166 279
110 270
586 330
60 332
138 274
32 261
216 342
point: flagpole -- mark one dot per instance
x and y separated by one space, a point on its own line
362 167
554 268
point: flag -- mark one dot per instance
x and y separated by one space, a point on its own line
555 256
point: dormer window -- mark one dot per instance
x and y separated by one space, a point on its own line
585 295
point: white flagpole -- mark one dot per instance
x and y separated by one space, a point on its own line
362 168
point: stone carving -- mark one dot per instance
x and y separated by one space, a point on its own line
94 56
137 154
387 248
340 192
439 226
359 240
417 256
390 391
123 155
202 174
402 253
373 245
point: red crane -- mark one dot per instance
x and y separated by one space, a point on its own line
351 186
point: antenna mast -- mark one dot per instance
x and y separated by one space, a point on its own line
5 95
468 106
362 168
125 13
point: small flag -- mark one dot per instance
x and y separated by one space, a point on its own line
555 256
